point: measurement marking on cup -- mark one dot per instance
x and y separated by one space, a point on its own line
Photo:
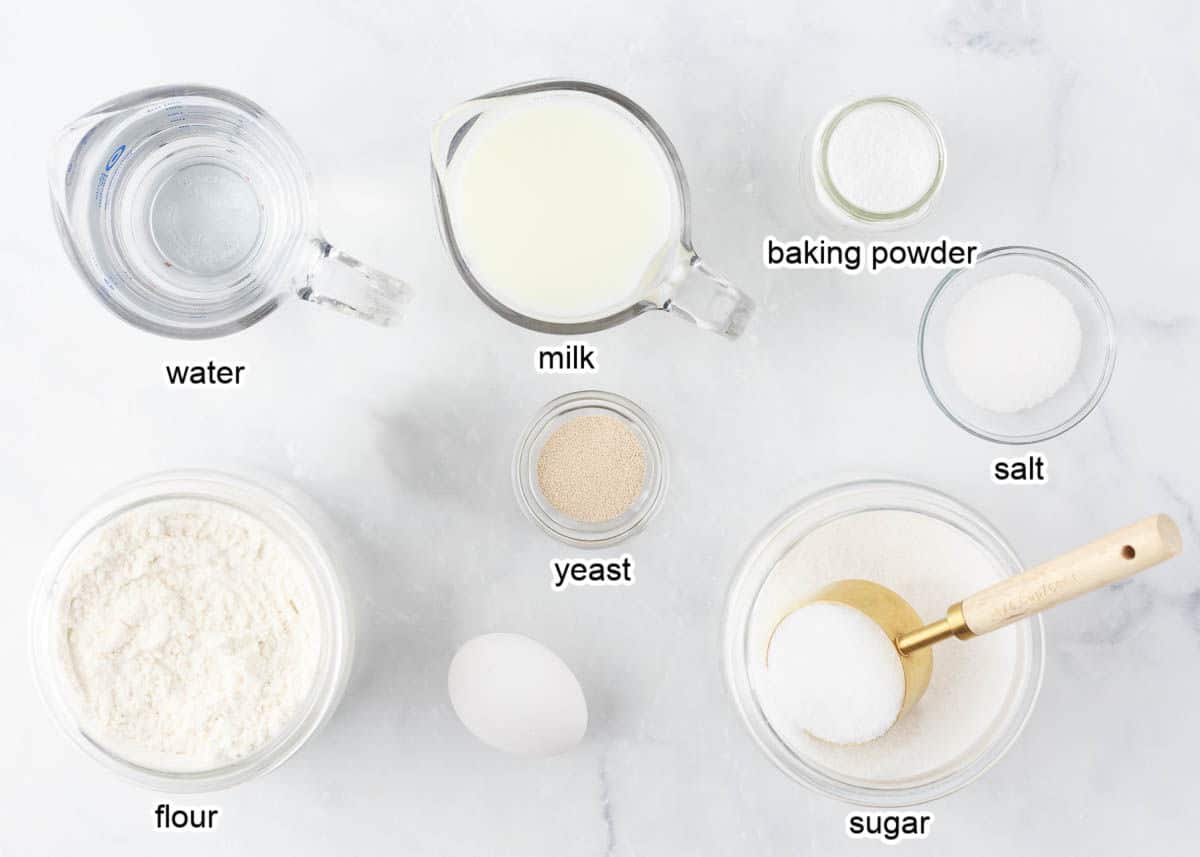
116 156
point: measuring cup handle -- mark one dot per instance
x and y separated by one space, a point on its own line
343 283
706 300
1121 554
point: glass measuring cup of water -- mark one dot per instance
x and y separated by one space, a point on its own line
188 210
565 208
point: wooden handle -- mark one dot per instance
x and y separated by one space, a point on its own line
1114 557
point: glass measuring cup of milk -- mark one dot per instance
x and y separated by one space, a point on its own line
565 208
188 210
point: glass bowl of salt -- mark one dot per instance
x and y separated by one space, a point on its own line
1018 348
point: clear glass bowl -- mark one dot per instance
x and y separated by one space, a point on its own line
757 565
1068 406
297 520
830 201
581 533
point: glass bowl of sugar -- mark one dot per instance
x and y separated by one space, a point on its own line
930 549
591 469
1018 348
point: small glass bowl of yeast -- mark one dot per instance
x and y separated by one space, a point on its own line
641 503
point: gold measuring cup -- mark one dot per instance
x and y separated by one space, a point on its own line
1116 556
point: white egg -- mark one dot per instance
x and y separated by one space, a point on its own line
516 695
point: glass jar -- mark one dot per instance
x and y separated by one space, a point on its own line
739 653
830 200
289 515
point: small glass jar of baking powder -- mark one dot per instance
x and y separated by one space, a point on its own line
877 164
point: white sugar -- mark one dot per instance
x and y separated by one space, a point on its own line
882 157
833 673
931 564
1012 342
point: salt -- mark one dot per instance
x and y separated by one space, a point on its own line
930 564
834 673
1012 342
883 157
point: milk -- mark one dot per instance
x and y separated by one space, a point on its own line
564 206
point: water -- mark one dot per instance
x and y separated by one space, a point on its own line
205 219
197 211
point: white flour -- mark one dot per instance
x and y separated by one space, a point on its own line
931 565
189 633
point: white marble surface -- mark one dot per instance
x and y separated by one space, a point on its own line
1072 129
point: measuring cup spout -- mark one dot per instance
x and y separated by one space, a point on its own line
77 140
63 149
448 132
68 173
66 151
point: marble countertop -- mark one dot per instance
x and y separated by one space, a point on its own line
1074 130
